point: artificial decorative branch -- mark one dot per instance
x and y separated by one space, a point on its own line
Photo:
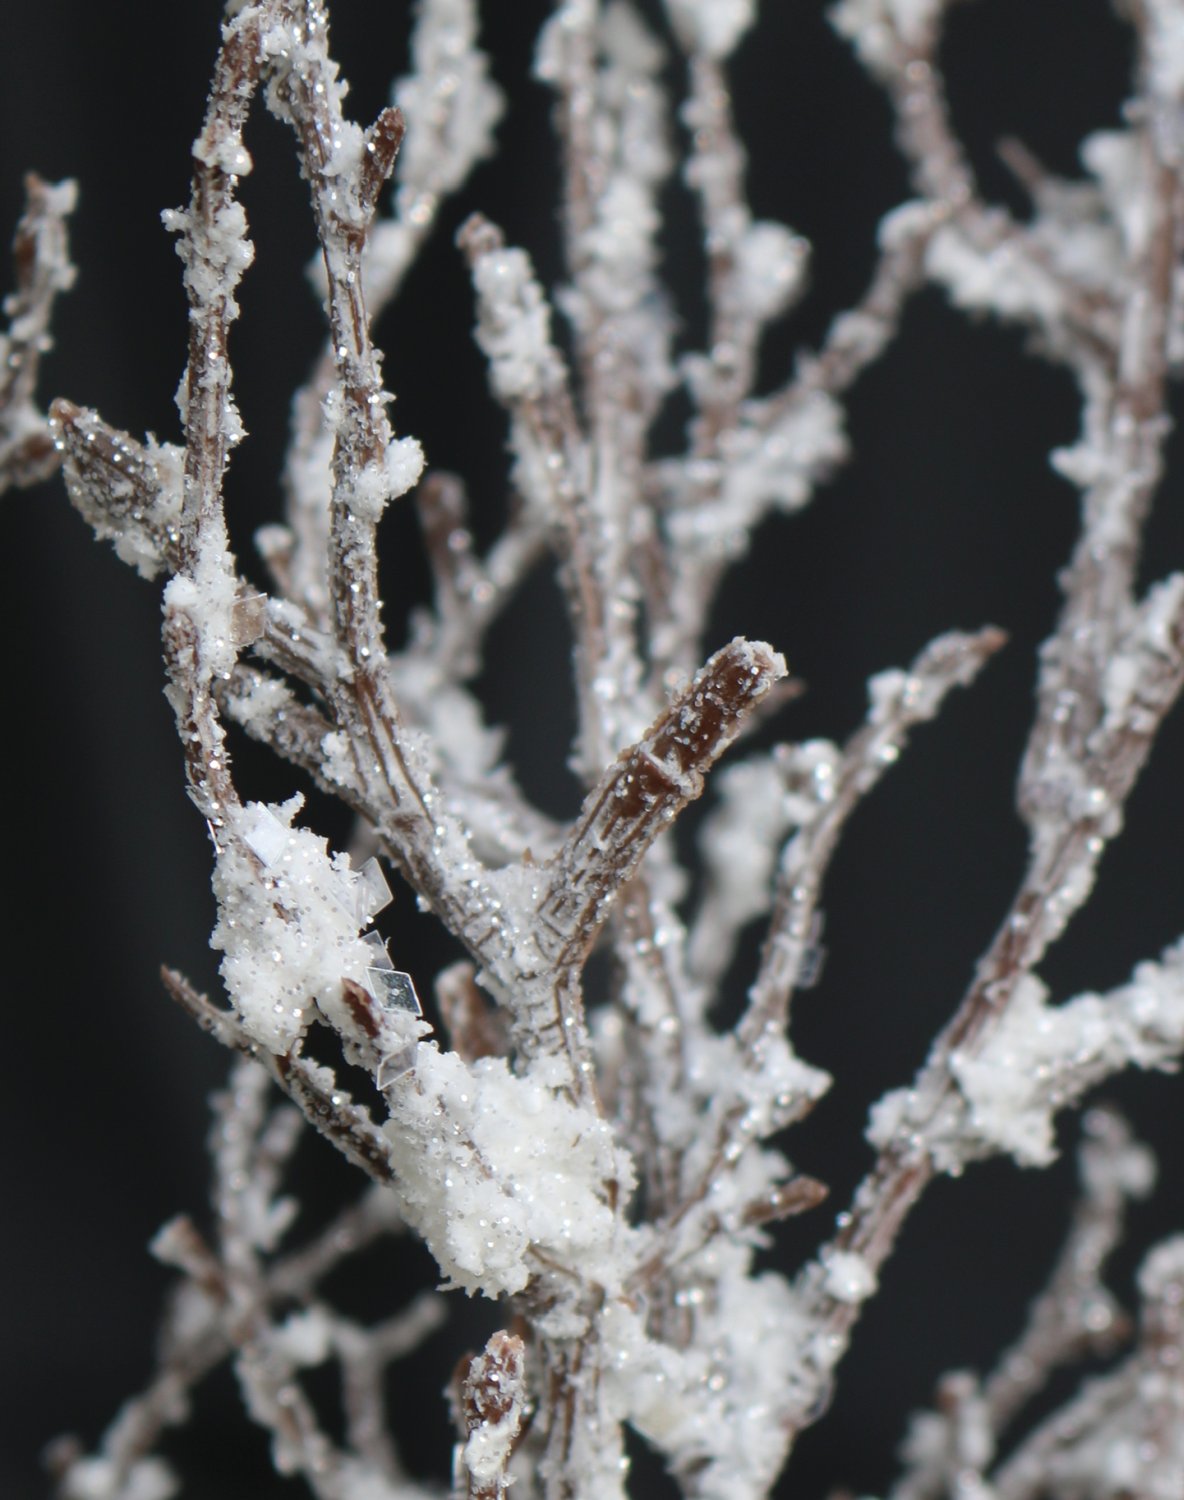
605 1161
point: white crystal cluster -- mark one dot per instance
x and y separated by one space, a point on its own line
500 1174
291 924
1041 1059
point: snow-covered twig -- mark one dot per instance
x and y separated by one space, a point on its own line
312 1089
832 782
1123 1434
604 1159
236 1302
493 1401
43 270
951 1449
1076 1312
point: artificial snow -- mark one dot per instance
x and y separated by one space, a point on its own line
848 1277
713 27
374 485
1037 1059
451 105
514 326
491 1166
288 924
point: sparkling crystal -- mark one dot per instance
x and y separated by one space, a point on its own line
371 891
248 616
395 990
396 1065
264 834
376 945
810 966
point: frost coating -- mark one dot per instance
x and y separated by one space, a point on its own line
205 594
1042 1055
1149 644
759 802
493 1400
44 270
774 458
305 1338
453 108
1166 50
451 101
1001 279
215 258
706 1408
1162 1274
877 27
770 264
102 1479
779 462
131 494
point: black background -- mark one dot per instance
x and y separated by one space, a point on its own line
949 517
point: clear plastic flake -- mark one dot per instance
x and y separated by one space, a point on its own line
376 948
396 1065
372 894
811 965
248 615
265 835
394 989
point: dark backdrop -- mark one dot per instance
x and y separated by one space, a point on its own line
949 517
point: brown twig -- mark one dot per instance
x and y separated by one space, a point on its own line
493 1400
636 799
328 1109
